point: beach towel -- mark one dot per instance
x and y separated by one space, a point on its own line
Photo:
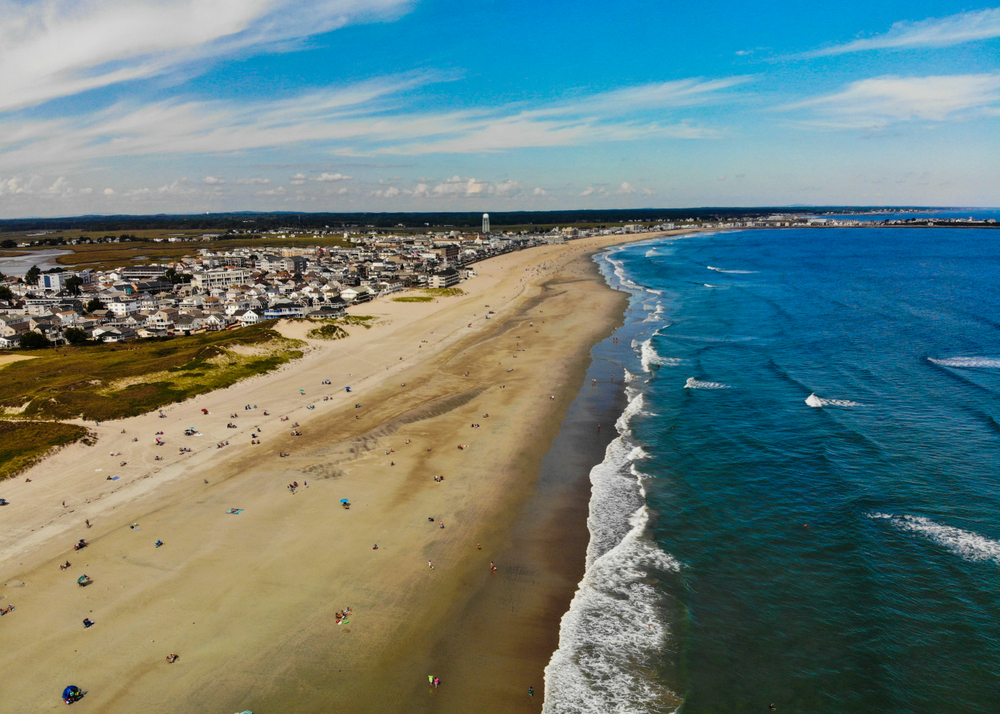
235 511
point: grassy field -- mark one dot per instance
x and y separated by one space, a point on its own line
117 255
22 443
443 292
114 381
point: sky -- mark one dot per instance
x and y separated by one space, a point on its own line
187 106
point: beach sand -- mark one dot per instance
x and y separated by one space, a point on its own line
248 601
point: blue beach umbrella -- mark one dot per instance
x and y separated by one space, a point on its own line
345 500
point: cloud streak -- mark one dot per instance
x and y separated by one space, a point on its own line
932 32
879 102
362 119
58 48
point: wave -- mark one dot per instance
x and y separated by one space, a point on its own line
732 272
818 402
693 383
967 362
649 357
966 544
656 314
613 628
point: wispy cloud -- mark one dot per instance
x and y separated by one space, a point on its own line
932 32
57 48
881 101
363 119
326 178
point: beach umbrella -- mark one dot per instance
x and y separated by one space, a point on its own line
81 578
345 500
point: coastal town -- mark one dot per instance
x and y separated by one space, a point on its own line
222 289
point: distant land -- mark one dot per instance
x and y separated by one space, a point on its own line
508 220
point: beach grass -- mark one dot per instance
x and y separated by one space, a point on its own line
24 443
113 381
329 331
444 292
414 298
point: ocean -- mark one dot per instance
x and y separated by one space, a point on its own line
801 506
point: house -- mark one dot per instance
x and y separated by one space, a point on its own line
249 317
445 278
284 309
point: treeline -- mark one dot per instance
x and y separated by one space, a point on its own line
460 220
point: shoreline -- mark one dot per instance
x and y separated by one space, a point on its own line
283 660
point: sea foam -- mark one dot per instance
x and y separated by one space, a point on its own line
966 544
967 362
732 272
693 383
819 402
613 627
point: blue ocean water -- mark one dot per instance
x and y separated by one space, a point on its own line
803 505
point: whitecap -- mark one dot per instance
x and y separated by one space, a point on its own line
819 402
965 544
967 362
732 272
693 383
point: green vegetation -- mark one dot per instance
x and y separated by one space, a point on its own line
34 341
444 292
414 298
362 320
113 381
330 331
23 443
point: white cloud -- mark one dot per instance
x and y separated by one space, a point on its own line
367 118
507 188
587 191
57 48
390 192
179 187
253 181
881 101
61 185
109 192
325 177
625 189
932 32
213 180
280 191
646 192
298 179
85 191
539 191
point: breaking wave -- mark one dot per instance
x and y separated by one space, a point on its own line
732 272
693 383
613 628
965 544
968 362
818 402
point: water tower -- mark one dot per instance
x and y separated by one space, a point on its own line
486 223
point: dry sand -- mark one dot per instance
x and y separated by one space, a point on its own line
248 600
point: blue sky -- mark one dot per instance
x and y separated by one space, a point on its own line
163 106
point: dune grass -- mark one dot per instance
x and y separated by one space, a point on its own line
329 331
414 298
23 443
113 381
443 292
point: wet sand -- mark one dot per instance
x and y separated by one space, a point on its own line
248 600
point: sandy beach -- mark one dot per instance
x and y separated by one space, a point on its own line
248 601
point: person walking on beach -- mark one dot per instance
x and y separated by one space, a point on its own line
531 691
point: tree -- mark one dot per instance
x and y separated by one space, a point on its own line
31 277
6 294
75 336
73 285
8 244
95 305
34 341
